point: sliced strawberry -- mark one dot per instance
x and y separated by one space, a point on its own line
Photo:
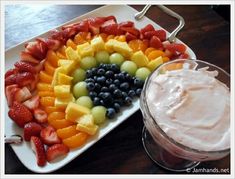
155 42
55 151
34 49
24 78
108 22
111 29
31 129
176 48
32 103
56 34
82 26
131 30
53 44
130 37
40 115
111 18
22 95
68 33
38 147
10 92
10 80
184 56
20 114
126 24
147 28
95 23
49 136
11 72
25 67
161 34
26 57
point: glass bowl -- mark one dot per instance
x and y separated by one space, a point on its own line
161 148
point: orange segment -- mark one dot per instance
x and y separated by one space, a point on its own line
55 116
62 49
52 58
67 132
154 54
47 101
71 44
173 66
76 141
60 55
122 38
60 123
148 50
44 87
165 59
103 36
50 109
138 44
110 37
49 68
82 37
44 77
46 93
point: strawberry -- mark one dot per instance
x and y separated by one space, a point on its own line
82 26
25 67
20 114
33 84
40 115
24 78
111 29
22 95
131 30
107 23
26 57
10 92
161 34
32 103
55 151
31 129
130 37
176 48
53 44
34 49
11 72
56 34
147 28
49 136
183 56
95 23
38 147
155 42
68 33
126 24
111 18
10 80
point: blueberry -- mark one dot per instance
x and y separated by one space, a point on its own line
116 75
110 113
138 82
101 72
127 101
138 91
90 86
101 94
112 87
102 66
131 93
117 107
108 81
116 82
124 86
114 68
121 76
128 77
101 79
94 71
109 74
102 102
119 101
92 94
95 78
107 96
117 93
89 80
89 73
97 87
104 89
124 95
96 101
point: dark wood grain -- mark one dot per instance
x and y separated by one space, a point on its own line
121 151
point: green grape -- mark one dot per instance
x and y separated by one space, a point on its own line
78 75
85 101
129 67
88 62
116 58
99 114
80 89
102 57
142 73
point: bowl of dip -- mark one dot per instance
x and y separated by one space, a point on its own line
186 112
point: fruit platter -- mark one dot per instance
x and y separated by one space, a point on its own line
69 87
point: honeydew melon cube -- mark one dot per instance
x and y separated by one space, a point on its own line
75 111
85 50
63 102
153 64
62 91
72 54
97 44
140 59
86 124
64 79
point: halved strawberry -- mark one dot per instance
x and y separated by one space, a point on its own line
11 72
126 24
131 30
26 57
111 29
130 37
95 23
176 48
49 136
53 44
32 103
55 151
40 115
155 42
22 95
24 78
34 49
108 22
25 67
38 147
81 26
10 92
68 33
111 18
31 129
10 80
20 114
56 34
147 28
161 34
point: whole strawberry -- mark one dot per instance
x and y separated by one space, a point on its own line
20 114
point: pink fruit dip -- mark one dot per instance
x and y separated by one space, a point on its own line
192 107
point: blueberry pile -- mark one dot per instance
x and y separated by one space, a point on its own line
110 87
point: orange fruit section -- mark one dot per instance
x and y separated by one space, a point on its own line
148 50
50 109
44 77
55 116
44 87
46 93
52 58
47 101
49 68
154 54
76 141
71 44
137 45
67 132
60 123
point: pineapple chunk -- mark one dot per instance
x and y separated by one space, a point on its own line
140 59
86 124
63 102
85 50
64 79
122 48
74 111
56 73
109 45
72 54
153 64
97 44
62 91
68 65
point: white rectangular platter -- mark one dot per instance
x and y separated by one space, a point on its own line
24 151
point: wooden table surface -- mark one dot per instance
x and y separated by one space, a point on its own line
121 151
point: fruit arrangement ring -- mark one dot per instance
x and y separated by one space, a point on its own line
66 85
